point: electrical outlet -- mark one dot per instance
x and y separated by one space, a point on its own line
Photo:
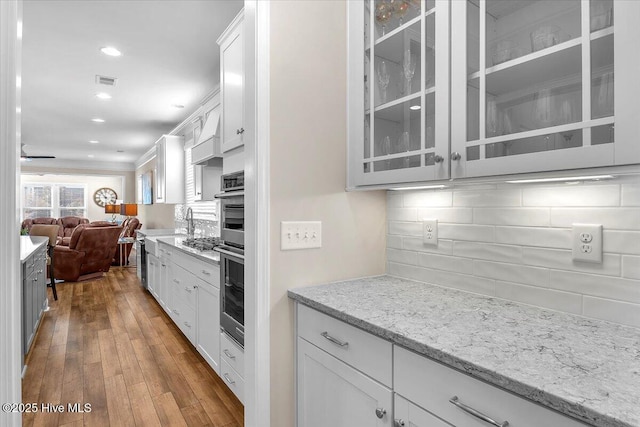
587 242
300 235
430 232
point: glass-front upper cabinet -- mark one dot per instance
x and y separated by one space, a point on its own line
398 120
541 85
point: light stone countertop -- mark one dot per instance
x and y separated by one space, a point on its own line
581 367
29 244
176 241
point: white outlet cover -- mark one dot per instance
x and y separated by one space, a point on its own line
430 232
586 242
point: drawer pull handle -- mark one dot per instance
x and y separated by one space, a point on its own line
186 288
187 324
228 354
399 423
335 340
476 413
229 380
380 412
206 272
176 281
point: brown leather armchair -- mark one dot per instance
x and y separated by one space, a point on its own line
129 227
89 254
29 222
67 225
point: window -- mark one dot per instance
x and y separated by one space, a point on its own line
54 200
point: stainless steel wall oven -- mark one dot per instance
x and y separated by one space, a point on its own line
232 294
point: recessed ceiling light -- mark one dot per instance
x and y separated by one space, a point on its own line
93 141
111 51
90 155
414 107
97 120
177 106
103 95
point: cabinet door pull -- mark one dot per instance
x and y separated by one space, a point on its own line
438 159
208 273
476 413
186 288
455 156
239 131
399 423
229 380
380 412
335 340
228 354
177 281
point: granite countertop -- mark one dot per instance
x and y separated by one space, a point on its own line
160 231
176 241
584 368
29 244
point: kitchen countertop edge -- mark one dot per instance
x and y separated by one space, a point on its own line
208 256
549 400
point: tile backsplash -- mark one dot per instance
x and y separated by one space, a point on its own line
514 242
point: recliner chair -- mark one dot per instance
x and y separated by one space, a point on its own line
67 225
129 227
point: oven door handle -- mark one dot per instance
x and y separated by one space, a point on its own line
233 193
229 253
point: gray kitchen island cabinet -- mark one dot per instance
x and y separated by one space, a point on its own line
34 288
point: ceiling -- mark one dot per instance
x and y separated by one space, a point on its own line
169 56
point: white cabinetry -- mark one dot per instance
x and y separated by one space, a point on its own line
34 294
153 271
232 84
208 322
533 86
170 169
344 379
232 365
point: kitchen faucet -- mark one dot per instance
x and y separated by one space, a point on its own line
191 228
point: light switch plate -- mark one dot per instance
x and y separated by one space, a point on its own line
587 242
300 235
430 232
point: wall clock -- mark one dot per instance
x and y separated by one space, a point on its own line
104 196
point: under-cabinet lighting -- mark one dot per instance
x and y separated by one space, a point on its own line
425 187
111 51
562 179
415 107
97 120
93 141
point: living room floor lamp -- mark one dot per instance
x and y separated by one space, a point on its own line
129 209
112 209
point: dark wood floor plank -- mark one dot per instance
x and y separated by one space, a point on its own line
108 343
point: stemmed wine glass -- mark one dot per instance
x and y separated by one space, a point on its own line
400 8
383 79
409 69
386 149
404 145
384 12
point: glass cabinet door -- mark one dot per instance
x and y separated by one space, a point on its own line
532 85
401 48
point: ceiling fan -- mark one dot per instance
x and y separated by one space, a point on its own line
24 155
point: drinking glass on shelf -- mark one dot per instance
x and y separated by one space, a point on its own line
400 8
542 107
383 80
409 69
384 12
605 95
385 147
404 146
492 118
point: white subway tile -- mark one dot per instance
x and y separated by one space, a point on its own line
621 242
535 236
487 198
403 257
444 278
613 311
512 272
512 216
572 195
447 263
481 233
454 215
405 271
501 253
596 285
394 199
445 247
405 228
610 218
631 267
563 260
394 242
427 198
631 194
541 297
402 214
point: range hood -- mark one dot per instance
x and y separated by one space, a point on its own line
211 127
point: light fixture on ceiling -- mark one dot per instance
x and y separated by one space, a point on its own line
93 141
424 187
90 155
415 107
103 95
178 106
561 179
110 51
97 120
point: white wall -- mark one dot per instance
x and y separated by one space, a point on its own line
156 215
514 242
308 174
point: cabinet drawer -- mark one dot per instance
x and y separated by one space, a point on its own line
432 385
232 354
360 349
206 271
184 317
184 285
232 379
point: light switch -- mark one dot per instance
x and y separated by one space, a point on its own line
300 235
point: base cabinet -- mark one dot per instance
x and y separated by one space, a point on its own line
208 324
406 414
34 295
332 393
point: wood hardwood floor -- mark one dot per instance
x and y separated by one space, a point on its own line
108 343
